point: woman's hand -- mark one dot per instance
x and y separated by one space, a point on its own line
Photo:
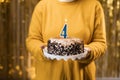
43 46
88 51
88 54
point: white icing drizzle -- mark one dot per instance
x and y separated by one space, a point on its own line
65 41
66 0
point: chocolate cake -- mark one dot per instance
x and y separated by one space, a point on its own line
65 46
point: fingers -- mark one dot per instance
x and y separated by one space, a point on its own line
88 52
86 55
43 46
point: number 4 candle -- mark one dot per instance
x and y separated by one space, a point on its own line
64 30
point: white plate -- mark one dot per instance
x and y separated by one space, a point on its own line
58 57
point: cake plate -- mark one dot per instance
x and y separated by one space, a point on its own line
58 57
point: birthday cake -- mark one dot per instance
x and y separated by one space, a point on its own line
65 46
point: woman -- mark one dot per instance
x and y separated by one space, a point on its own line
86 21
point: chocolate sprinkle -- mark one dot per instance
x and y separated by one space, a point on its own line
60 49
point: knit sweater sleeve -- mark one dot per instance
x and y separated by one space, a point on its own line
35 39
98 42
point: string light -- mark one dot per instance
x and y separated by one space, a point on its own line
4 1
1 67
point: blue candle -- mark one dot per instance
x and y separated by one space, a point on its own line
64 31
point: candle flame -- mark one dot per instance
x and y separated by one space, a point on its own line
66 20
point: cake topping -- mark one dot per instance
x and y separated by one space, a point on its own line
68 46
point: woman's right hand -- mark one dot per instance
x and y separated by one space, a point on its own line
43 46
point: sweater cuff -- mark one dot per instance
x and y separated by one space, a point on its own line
38 54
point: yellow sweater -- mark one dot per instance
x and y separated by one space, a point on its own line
85 20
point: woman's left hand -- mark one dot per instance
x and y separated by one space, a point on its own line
87 54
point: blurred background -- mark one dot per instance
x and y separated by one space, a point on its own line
16 63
